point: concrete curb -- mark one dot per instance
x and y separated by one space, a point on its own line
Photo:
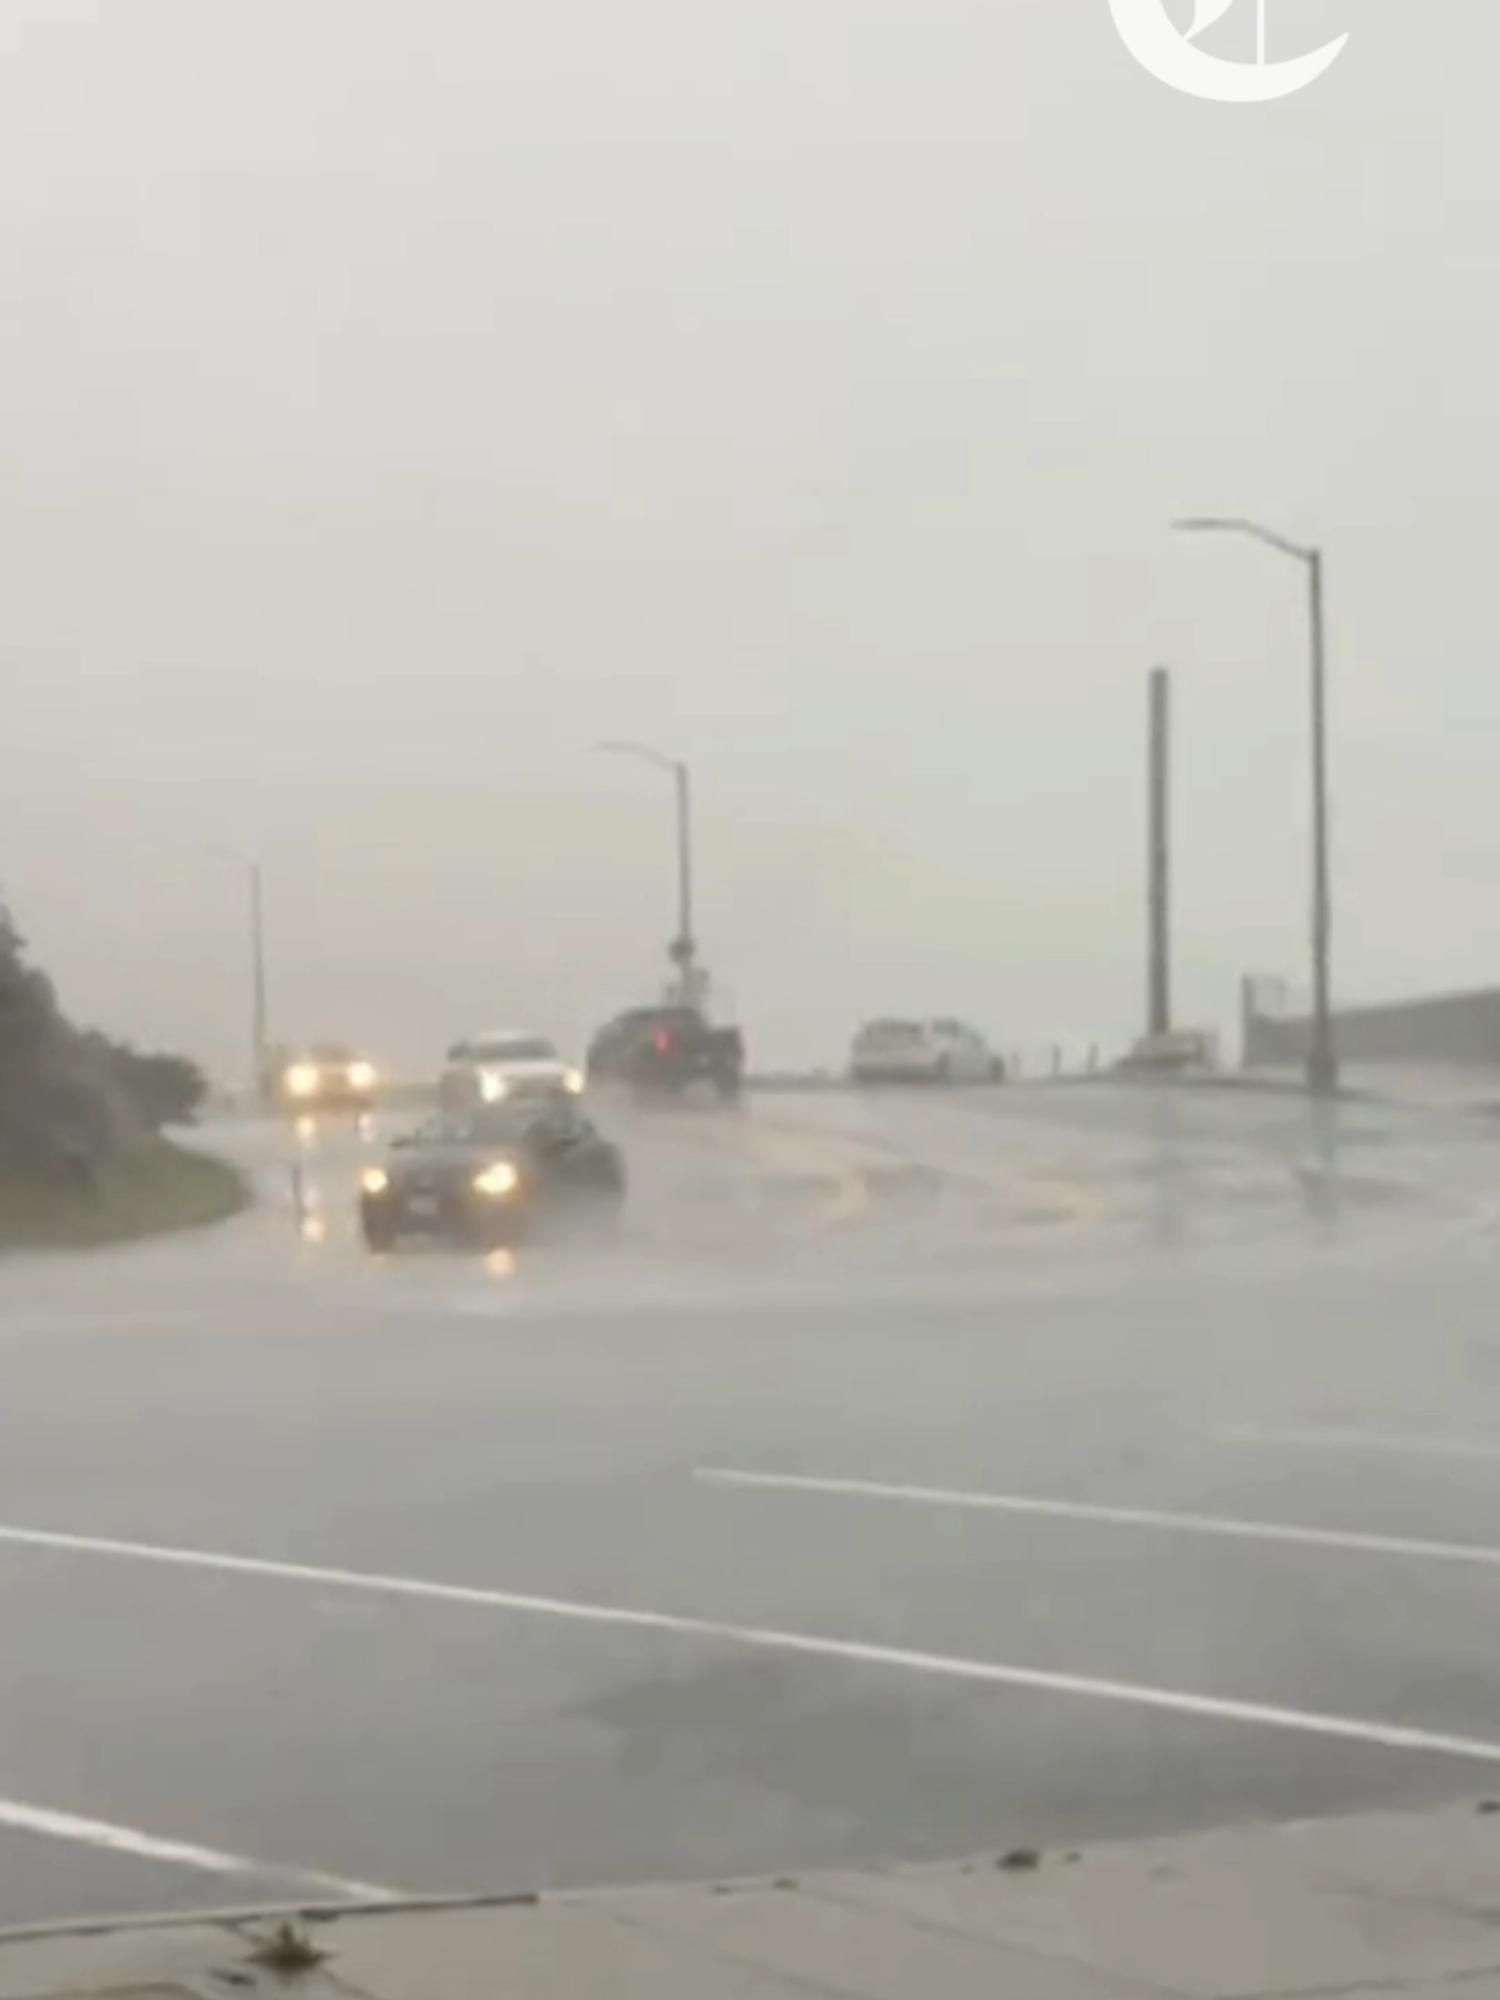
312 1910
1433 1861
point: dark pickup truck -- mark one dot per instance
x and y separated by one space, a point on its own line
667 1048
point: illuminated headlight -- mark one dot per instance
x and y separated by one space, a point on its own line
374 1180
302 1080
361 1076
573 1081
499 1179
492 1086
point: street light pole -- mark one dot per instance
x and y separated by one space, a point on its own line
259 1010
1322 1060
1322 1055
684 945
683 781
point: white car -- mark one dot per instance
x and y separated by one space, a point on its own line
504 1062
936 1051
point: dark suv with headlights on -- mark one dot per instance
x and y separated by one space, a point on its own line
485 1178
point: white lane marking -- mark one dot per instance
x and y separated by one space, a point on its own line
1341 1440
1350 1541
1173 1701
180 1853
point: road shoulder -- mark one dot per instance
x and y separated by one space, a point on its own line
1399 1904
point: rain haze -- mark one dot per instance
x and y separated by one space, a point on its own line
396 399
703 1444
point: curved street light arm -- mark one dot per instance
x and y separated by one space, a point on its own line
1234 524
643 752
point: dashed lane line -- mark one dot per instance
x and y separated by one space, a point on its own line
1228 1527
1037 1680
142 1846
1372 1441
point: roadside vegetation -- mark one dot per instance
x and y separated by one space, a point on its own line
84 1156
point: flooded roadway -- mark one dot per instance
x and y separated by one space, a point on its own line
919 1475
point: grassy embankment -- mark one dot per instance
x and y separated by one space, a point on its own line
153 1190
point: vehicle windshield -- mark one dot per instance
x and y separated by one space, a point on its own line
506 1124
513 1048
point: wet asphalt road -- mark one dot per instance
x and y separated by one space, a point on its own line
513 1615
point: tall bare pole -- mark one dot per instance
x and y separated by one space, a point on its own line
1158 856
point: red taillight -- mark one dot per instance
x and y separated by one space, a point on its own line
662 1041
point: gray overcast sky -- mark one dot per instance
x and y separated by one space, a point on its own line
395 397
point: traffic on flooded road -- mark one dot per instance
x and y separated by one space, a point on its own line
907 1475
749 1049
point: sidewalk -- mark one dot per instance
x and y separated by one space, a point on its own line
1396 1907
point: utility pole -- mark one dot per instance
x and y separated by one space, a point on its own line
1158 856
